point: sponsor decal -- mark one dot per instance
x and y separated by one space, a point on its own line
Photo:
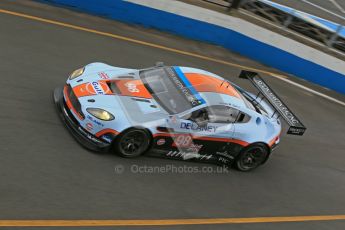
183 141
195 127
131 87
186 142
107 138
223 160
194 148
276 101
98 87
161 142
188 155
103 75
296 130
94 120
93 139
89 126
183 89
88 135
225 154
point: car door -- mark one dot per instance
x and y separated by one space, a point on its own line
205 129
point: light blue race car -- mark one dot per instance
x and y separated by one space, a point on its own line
174 112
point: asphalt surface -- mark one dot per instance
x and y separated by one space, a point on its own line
46 174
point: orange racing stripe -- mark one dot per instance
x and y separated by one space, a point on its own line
243 143
134 88
204 83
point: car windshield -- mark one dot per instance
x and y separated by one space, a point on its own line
169 90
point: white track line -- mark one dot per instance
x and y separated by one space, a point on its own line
336 4
309 90
321 8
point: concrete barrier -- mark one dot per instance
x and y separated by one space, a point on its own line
230 32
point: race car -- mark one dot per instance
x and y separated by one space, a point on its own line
173 112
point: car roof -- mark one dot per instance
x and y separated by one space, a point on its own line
214 89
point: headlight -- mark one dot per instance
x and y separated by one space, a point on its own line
100 114
76 73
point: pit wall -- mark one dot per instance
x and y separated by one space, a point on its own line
230 32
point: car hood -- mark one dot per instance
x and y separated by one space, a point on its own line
122 94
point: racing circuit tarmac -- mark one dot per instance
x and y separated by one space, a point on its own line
46 175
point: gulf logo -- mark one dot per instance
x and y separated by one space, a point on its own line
97 87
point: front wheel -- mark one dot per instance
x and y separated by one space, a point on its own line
132 143
251 157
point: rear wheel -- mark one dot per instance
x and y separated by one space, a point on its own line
251 157
132 143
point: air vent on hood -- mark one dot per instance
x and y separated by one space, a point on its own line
141 100
113 87
126 77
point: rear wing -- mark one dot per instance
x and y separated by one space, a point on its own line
295 125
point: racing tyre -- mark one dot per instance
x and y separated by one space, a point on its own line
132 143
251 157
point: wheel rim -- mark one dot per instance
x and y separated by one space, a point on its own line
133 143
252 158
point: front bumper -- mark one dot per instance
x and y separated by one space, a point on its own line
86 139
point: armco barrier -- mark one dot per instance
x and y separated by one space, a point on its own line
311 65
